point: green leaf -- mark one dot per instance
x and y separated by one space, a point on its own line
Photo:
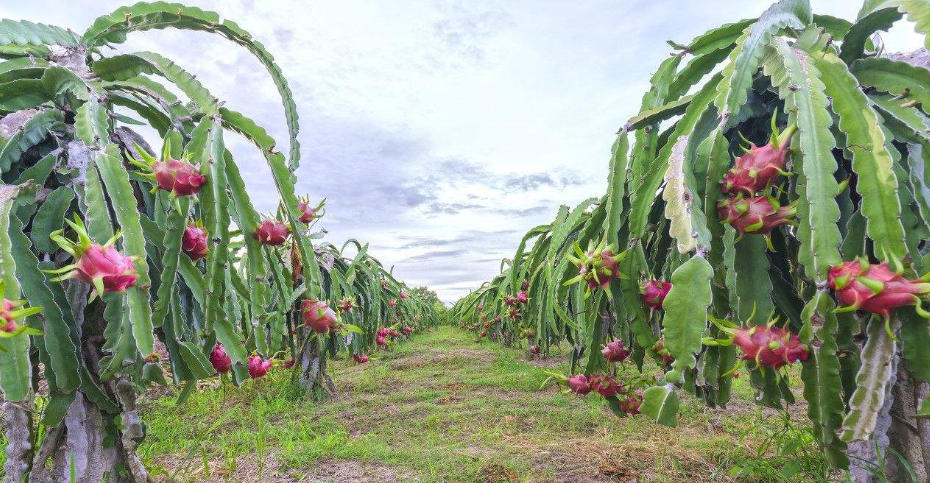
33 131
661 404
15 366
871 382
24 32
686 311
50 217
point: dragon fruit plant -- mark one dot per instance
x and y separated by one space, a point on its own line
778 167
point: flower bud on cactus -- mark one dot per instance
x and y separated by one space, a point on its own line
309 213
510 300
654 292
318 316
258 367
770 346
875 288
272 232
755 215
220 359
194 242
360 358
579 384
615 352
346 304
522 297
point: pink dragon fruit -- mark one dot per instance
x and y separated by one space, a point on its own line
381 340
497 319
597 266
615 352
346 304
318 316
514 314
258 367
525 286
605 385
407 331
360 358
631 402
288 364
757 215
308 213
770 346
384 331
403 295
534 349
194 242
510 300
522 297
579 384
394 334
875 288
178 177
220 359
654 292
392 303
272 232
107 264
6 316
483 333
759 166
480 307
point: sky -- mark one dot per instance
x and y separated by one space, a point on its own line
439 131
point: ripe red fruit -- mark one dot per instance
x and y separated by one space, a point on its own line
407 330
756 215
403 295
875 288
510 300
534 349
758 168
631 402
480 307
654 292
392 303
522 297
272 232
605 385
288 364
194 242
258 367
178 176
307 213
514 314
579 384
497 319
525 286
483 333
360 358
770 346
7 323
107 264
318 316
220 360
615 352
380 340
346 304
393 333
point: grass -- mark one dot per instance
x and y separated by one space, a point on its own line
444 408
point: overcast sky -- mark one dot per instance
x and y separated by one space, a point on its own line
439 131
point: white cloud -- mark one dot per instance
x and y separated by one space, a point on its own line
420 119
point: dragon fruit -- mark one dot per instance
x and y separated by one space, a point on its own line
522 297
105 265
514 314
653 293
220 359
360 358
510 300
384 283
178 177
394 334
759 166
346 304
6 316
258 367
660 349
483 333
528 333
525 286
605 385
392 303
406 331
403 295
318 316
579 384
754 215
288 364
875 288
615 352
272 232
480 307
381 340
770 346
597 266
534 349
497 319
631 402
194 242
308 213
384 331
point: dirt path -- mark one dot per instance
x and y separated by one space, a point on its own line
439 408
